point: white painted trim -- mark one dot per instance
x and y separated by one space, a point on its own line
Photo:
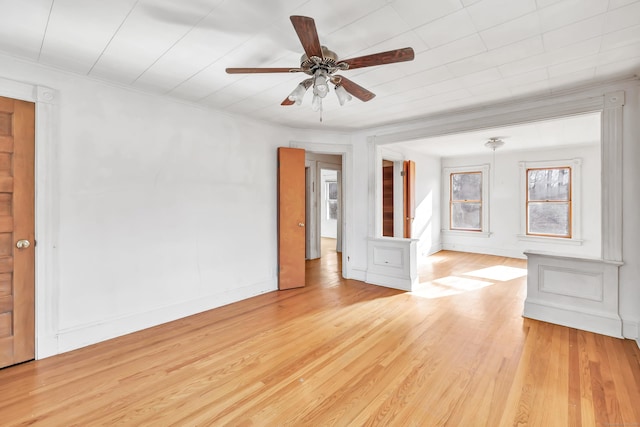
587 320
47 223
347 193
311 239
509 253
358 274
553 240
582 293
611 146
380 154
462 233
387 281
319 202
46 210
569 103
398 190
392 262
76 337
631 330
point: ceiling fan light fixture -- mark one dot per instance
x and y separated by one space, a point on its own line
298 93
342 94
320 86
316 103
321 64
494 142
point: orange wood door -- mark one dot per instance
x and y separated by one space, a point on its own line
291 217
17 219
387 198
409 186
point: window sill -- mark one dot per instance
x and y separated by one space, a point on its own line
461 233
551 240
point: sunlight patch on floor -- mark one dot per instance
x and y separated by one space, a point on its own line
500 273
448 286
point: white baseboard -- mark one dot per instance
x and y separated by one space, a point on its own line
389 281
87 334
631 330
46 346
358 274
599 323
483 250
434 249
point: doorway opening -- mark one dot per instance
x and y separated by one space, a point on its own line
324 209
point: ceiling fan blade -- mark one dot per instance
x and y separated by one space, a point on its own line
356 90
389 57
261 70
306 29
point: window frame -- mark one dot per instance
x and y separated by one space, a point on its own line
453 202
485 202
568 200
575 209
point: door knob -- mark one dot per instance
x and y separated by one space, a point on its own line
301 224
23 244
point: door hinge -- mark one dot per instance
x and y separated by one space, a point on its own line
401 173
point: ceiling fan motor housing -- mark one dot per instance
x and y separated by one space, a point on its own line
329 62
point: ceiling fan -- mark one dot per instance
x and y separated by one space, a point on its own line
321 64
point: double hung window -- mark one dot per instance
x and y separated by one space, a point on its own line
549 202
465 201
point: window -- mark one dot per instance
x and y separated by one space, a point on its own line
465 204
332 200
465 201
549 202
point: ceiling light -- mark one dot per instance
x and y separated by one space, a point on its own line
298 93
494 142
316 103
342 94
320 86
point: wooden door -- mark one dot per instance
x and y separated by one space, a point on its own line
409 187
387 198
17 218
291 217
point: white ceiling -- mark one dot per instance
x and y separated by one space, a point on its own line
582 129
469 53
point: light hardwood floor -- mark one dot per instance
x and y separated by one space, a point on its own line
341 352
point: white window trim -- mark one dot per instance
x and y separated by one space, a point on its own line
576 202
446 192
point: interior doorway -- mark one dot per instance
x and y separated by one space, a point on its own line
324 205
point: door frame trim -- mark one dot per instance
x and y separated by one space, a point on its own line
347 193
47 208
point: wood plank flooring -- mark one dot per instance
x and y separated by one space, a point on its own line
340 352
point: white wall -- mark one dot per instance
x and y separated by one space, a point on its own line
162 209
328 226
361 195
427 223
505 204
